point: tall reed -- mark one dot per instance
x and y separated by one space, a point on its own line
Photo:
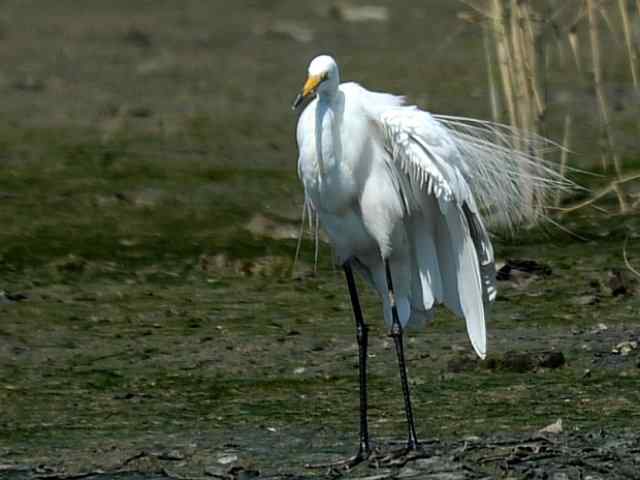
519 38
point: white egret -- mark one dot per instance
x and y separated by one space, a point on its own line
399 192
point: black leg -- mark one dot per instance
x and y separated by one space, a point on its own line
362 330
396 334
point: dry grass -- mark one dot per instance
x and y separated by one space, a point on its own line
631 51
525 40
603 104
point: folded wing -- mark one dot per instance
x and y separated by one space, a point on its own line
453 253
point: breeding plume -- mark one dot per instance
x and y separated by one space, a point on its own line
399 192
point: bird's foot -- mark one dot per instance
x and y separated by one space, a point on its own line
346 464
400 457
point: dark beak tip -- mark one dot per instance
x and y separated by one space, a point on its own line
297 102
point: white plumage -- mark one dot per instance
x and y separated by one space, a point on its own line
393 182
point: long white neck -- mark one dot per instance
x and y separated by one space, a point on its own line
328 123
329 88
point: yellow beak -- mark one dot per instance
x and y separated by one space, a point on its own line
311 84
309 89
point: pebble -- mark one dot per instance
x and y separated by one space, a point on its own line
227 459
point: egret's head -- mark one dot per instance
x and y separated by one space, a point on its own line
323 78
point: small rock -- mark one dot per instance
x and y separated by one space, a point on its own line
471 438
516 267
146 197
624 348
15 297
551 360
45 469
128 242
242 473
601 327
218 472
586 300
106 201
215 263
299 370
70 264
227 459
292 30
617 282
10 467
554 428
5 298
347 12
518 362
171 455
265 227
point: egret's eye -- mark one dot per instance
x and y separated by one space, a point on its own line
325 75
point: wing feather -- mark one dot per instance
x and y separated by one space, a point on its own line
469 166
484 249
452 250
463 270
506 168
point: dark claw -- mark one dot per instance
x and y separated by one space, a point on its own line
345 464
402 456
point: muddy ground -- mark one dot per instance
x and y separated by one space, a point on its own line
151 323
